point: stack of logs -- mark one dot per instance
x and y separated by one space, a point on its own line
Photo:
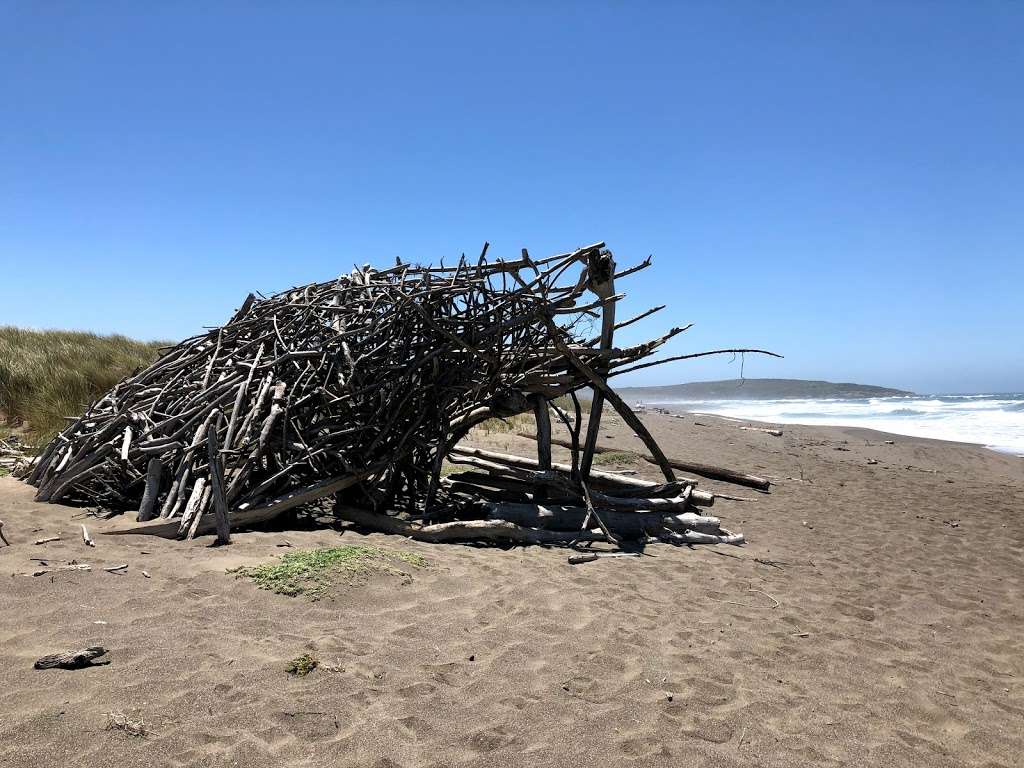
356 391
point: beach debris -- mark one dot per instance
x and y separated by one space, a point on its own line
357 390
119 721
775 603
116 568
872 461
69 567
146 574
302 665
12 457
2 537
47 539
589 557
72 659
87 538
772 432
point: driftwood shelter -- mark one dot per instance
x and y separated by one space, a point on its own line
356 391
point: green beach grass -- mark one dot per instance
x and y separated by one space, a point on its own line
47 375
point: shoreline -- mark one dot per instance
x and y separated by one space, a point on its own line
668 407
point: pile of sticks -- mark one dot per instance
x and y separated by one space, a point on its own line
357 390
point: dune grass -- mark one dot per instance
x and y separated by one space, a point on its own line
47 375
612 458
524 422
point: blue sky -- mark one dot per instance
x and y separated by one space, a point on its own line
840 182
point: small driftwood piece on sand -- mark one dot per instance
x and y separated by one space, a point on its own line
47 539
87 538
767 431
589 557
71 567
71 659
356 390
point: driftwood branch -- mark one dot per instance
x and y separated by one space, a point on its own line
71 659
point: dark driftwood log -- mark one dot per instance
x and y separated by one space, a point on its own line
154 471
709 471
543 421
629 525
71 659
601 270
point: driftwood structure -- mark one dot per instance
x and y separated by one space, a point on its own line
357 390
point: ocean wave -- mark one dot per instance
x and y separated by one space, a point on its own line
996 421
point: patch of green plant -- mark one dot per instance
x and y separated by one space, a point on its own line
610 458
302 665
310 572
4 471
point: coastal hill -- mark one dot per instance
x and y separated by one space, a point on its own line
757 389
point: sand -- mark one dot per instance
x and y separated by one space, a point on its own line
876 617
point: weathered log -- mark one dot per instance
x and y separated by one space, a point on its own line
601 271
709 471
612 483
557 517
597 478
562 518
72 659
463 530
154 473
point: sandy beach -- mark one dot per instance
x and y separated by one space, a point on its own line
875 617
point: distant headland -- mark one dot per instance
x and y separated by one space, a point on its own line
758 389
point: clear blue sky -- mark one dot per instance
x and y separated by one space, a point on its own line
840 182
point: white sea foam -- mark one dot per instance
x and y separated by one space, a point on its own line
996 421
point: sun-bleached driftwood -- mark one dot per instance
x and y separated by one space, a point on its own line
463 530
608 481
69 567
709 471
355 390
589 557
71 659
634 525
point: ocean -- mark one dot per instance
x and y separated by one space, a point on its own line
993 420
